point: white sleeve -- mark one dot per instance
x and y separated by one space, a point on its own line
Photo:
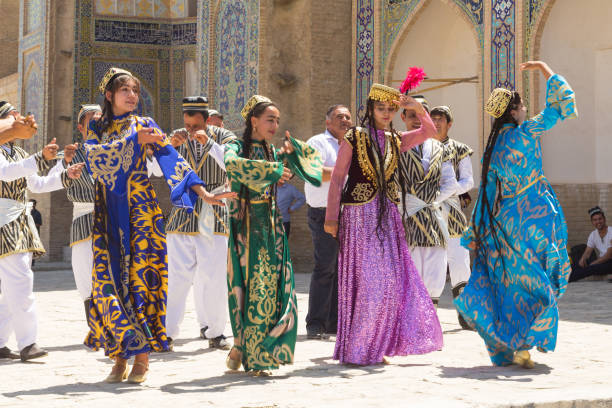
13 171
448 182
39 184
466 178
153 168
58 168
314 143
217 152
590 241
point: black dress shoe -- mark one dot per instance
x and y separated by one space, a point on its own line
31 352
6 352
316 334
219 342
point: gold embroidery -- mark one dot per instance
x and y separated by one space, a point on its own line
105 160
362 192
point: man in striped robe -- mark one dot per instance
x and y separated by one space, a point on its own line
82 194
430 181
19 239
197 241
459 155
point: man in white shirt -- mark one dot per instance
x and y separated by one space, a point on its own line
322 315
600 241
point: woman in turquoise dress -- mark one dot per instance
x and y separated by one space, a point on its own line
518 230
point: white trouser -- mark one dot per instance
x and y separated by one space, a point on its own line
17 307
431 263
192 260
82 267
458 262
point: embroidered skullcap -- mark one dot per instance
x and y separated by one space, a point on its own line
212 112
443 110
498 102
595 210
421 99
85 109
251 103
383 93
195 104
111 74
6 108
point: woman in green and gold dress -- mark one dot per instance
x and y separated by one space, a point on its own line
262 301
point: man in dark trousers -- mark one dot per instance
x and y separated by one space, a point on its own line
322 317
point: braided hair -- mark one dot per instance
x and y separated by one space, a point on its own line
369 122
490 223
247 138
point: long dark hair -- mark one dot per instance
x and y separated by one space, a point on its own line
106 120
369 122
247 138
487 208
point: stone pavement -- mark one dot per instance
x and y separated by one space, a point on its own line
578 374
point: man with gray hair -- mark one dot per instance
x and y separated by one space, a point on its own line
322 315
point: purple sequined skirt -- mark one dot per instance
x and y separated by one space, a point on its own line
383 306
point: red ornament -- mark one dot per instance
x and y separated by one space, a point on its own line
414 77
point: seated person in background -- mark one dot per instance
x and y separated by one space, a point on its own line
600 240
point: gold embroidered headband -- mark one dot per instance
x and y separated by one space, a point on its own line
383 93
110 75
498 102
251 103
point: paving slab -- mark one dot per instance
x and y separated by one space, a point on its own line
577 374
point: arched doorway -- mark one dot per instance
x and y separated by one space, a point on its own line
451 52
576 41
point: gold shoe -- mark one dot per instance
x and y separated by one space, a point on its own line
386 360
231 363
523 358
134 378
116 376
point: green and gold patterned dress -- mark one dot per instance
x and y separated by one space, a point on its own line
262 301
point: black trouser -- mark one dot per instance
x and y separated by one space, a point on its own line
287 226
581 273
323 296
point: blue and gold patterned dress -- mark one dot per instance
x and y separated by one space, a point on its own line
511 298
130 274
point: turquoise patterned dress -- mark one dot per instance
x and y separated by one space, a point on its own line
511 298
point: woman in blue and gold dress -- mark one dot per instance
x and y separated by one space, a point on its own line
127 312
518 230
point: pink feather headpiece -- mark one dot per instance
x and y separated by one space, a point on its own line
414 77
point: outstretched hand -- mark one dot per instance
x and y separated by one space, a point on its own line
287 145
70 152
49 152
74 171
148 135
541 65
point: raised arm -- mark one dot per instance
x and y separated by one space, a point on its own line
418 136
560 101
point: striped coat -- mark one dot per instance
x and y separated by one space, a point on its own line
182 222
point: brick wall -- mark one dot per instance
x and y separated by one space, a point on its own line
9 88
305 66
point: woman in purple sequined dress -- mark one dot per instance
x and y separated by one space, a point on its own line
383 306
